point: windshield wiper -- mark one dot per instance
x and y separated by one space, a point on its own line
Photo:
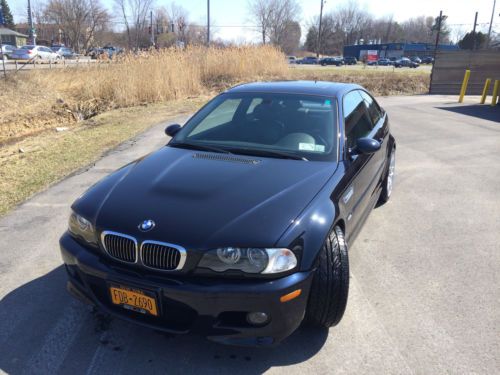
200 147
270 153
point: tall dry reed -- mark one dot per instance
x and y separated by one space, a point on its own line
34 101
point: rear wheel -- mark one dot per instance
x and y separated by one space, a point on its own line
388 182
330 285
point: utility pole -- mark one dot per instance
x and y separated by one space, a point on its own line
491 23
474 33
440 19
32 33
208 22
318 45
438 33
151 28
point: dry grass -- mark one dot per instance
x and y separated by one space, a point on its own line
40 100
50 156
380 82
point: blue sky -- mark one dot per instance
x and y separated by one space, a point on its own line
231 15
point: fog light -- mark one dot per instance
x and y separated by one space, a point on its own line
257 318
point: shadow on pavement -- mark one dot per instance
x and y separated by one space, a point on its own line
483 111
43 330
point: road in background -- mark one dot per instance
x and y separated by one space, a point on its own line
424 294
11 65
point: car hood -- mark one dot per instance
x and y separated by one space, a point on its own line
205 200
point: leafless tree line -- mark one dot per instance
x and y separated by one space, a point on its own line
278 22
350 24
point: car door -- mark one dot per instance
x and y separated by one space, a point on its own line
362 170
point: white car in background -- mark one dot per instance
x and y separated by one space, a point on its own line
38 53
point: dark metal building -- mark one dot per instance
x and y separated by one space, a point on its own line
396 50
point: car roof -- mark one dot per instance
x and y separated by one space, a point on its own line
321 88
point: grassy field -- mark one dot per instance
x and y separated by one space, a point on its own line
34 163
104 105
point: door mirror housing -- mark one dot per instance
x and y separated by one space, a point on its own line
366 146
172 130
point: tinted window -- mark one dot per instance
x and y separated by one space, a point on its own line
373 108
221 115
357 120
302 125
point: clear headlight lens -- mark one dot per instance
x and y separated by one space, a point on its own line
81 227
249 260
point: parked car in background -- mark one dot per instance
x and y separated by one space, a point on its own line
350 60
65 52
428 60
337 61
168 242
384 62
416 59
95 52
37 53
112 51
372 62
308 60
6 52
292 59
405 62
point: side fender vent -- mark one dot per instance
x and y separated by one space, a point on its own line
225 157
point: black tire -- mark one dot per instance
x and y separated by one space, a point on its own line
387 187
330 285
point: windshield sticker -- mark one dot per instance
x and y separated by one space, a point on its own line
306 146
328 102
311 147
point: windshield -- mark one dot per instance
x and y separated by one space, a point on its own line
27 47
274 125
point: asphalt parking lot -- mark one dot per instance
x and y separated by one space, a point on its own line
425 288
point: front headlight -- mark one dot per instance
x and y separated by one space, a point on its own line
81 227
249 260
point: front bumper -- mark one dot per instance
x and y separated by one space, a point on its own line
215 308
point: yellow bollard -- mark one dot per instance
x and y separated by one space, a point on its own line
485 90
464 86
495 93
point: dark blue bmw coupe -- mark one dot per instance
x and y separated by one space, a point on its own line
238 227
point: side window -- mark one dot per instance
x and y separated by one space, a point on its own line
219 116
356 118
373 108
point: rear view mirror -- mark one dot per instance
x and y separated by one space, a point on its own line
172 130
366 146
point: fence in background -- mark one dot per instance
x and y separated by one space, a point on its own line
450 66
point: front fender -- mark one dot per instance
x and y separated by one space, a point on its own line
313 225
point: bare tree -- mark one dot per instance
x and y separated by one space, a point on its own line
275 19
78 19
261 12
179 18
134 14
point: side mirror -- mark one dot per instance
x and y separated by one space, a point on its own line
366 146
172 130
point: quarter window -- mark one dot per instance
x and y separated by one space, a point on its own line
357 120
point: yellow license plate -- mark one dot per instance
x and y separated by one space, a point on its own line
133 299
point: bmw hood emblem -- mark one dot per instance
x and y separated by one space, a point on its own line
147 225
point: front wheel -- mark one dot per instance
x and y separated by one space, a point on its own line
388 182
330 285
